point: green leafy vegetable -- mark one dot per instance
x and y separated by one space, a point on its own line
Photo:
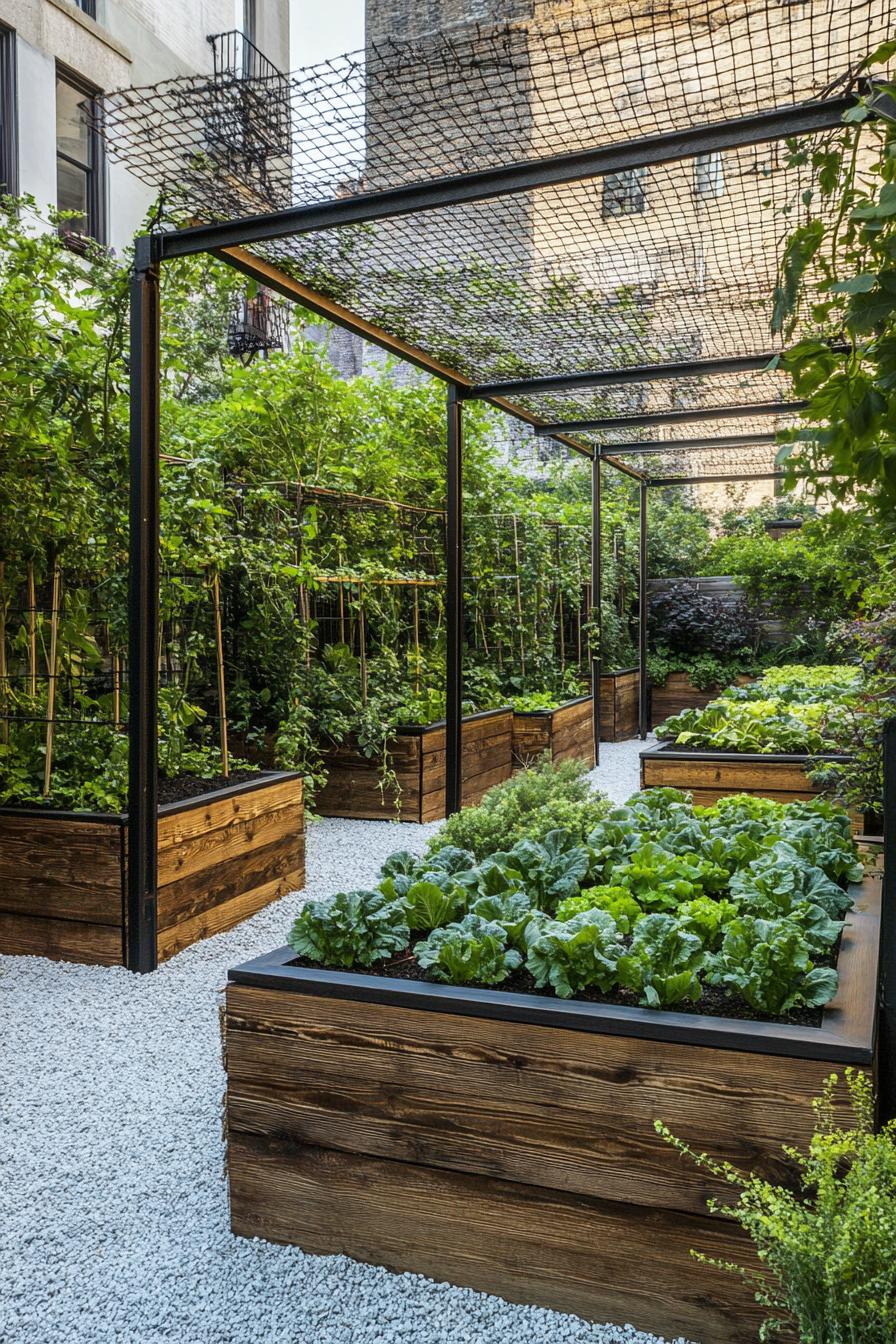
574 954
663 962
472 951
767 961
354 928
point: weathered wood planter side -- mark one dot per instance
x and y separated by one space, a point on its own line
567 732
711 775
221 857
619 705
353 787
505 1142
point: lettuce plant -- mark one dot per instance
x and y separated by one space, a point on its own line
549 871
512 910
574 954
471 951
767 962
353 928
707 919
429 905
660 880
663 963
617 901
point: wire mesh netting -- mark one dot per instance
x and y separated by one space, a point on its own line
662 261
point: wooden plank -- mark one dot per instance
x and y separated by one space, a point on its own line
226 915
180 827
187 897
51 851
598 1260
736 776
541 1105
204 850
61 939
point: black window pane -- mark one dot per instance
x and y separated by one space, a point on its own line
72 194
72 129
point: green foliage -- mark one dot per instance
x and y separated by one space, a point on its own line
768 962
801 571
706 918
513 910
472 951
574 954
353 928
429 904
663 962
527 807
616 901
789 709
826 1247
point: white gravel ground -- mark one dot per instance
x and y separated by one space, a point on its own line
113 1208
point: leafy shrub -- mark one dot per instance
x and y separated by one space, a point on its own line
767 961
797 571
574 954
545 798
826 1248
663 962
685 620
471 951
353 928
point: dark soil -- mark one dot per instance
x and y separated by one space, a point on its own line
716 1002
177 790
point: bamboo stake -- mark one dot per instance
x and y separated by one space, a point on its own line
416 641
362 644
51 685
116 690
4 721
341 611
222 693
32 633
519 595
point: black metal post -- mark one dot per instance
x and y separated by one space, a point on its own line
143 612
642 611
887 1047
454 603
596 648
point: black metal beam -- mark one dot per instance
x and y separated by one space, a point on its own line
143 614
682 417
637 373
621 466
887 1045
643 724
454 601
719 480
510 179
650 446
596 612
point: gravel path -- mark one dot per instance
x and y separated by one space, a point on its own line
113 1209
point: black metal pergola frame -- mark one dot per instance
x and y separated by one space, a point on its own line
229 241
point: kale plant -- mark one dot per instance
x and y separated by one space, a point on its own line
471 952
353 928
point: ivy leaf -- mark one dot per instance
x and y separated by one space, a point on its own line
858 284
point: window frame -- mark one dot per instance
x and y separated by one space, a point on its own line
96 223
87 7
624 193
9 113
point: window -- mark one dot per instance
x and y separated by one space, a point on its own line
80 168
9 140
624 193
87 7
709 175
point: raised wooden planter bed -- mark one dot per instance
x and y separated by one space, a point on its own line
353 787
505 1142
619 705
567 732
678 692
221 857
711 775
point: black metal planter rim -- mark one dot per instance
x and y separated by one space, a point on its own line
672 751
546 713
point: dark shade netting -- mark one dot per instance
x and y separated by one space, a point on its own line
670 262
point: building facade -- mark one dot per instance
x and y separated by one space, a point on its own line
57 54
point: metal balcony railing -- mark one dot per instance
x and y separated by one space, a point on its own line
247 122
